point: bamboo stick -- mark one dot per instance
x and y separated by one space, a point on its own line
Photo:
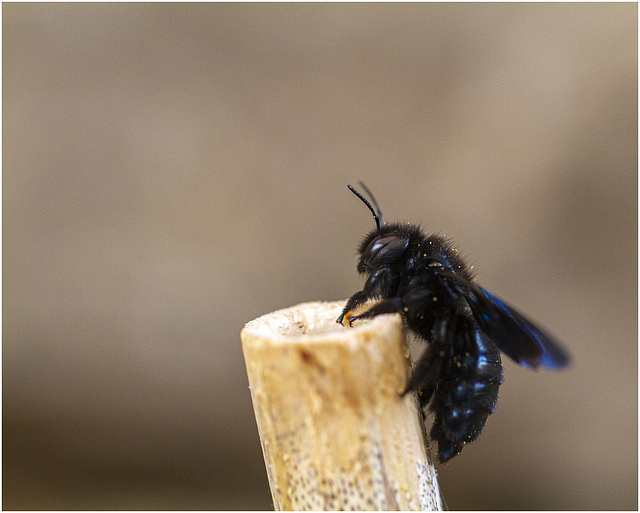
335 433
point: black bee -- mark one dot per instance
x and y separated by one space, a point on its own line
458 375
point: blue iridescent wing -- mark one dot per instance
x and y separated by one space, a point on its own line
514 334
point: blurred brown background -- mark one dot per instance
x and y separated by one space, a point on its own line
171 172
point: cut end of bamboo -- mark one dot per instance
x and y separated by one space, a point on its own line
336 433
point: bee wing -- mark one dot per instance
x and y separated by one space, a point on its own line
513 333
509 330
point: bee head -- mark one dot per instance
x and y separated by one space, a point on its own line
383 246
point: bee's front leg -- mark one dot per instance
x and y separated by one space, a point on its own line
390 305
358 299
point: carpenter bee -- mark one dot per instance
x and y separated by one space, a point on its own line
425 280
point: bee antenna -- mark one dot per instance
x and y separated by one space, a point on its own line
372 197
377 215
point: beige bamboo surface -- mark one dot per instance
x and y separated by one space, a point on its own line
335 433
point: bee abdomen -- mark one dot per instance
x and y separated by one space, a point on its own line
468 391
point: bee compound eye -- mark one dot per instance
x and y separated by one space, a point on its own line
385 249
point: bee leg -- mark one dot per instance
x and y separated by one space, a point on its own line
426 373
391 305
353 302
